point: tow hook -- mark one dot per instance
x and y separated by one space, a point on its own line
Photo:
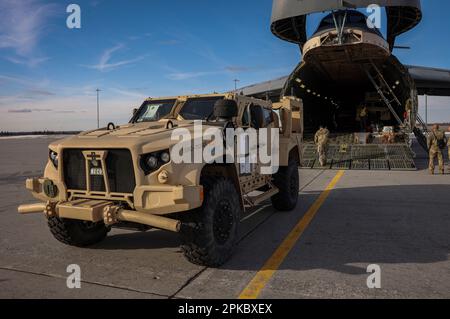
50 209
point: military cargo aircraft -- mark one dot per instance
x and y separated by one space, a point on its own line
348 64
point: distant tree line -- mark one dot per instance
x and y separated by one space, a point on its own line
440 124
5 133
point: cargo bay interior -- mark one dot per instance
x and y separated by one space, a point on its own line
333 96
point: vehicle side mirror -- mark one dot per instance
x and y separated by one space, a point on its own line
135 110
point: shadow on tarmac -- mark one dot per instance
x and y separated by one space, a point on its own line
389 224
139 240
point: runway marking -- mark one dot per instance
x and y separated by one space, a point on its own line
263 276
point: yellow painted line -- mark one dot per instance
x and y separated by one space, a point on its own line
261 278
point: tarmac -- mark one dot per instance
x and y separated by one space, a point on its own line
397 220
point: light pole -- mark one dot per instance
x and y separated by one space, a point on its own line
426 110
98 108
235 84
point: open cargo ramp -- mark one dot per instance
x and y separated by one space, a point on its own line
395 157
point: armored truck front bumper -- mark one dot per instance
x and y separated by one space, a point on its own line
147 203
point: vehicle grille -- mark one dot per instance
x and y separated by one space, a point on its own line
119 170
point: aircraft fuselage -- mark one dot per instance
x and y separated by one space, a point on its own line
334 83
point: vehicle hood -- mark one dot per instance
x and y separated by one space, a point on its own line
140 137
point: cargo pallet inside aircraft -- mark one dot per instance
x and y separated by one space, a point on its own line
396 157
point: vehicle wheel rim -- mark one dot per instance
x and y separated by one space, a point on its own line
223 222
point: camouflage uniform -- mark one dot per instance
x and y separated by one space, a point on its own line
363 117
408 111
435 151
448 146
321 140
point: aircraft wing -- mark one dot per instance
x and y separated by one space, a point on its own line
429 81
265 89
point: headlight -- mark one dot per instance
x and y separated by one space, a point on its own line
54 158
153 161
165 157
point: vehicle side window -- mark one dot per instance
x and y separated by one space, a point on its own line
268 117
246 117
199 108
257 116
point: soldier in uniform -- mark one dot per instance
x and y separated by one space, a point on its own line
321 140
436 144
408 111
363 117
448 146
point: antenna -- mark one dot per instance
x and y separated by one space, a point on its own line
235 83
98 108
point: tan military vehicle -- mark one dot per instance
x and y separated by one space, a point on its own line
125 176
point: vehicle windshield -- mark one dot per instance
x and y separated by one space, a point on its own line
199 108
153 111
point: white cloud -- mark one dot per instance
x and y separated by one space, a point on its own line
29 61
16 80
11 85
105 65
228 70
178 76
28 110
128 93
22 25
65 113
106 56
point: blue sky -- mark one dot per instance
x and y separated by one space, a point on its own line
134 49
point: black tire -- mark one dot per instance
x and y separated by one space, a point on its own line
77 233
212 237
287 181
